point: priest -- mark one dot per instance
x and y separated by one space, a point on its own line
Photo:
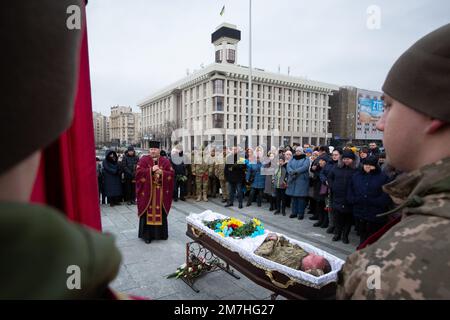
154 190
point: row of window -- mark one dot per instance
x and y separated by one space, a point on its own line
230 56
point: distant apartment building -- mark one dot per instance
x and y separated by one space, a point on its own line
353 115
124 125
101 128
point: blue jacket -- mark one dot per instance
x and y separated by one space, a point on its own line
298 181
254 169
366 195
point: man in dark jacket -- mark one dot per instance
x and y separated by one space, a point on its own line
111 173
374 150
177 162
235 176
339 179
367 198
129 163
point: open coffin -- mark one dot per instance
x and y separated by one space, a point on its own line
239 253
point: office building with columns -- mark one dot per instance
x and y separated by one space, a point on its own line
212 103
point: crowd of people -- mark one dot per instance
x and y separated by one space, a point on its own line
338 187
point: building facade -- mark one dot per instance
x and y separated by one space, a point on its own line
124 126
212 104
353 116
101 129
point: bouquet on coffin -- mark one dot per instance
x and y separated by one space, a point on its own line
279 249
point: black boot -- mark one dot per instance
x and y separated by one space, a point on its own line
325 221
272 204
330 230
320 220
229 204
345 239
276 212
240 205
336 237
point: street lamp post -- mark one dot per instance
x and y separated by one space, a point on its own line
250 104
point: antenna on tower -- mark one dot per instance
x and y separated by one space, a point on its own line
278 68
289 70
187 71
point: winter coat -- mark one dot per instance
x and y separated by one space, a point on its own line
375 152
234 171
323 175
111 175
254 173
268 185
338 180
317 184
179 167
129 165
298 183
366 195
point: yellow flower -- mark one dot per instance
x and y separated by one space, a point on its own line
256 222
221 234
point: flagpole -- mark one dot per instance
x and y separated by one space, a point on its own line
250 76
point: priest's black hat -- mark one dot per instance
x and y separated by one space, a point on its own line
39 63
154 144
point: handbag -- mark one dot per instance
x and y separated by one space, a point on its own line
323 190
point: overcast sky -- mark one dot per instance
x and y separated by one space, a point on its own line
137 47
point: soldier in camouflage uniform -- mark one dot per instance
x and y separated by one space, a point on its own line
412 259
220 173
200 170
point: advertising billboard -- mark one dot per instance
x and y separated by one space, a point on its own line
369 109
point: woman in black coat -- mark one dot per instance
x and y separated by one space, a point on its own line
112 179
338 180
366 195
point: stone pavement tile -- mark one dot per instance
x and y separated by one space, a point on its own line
106 222
240 295
219 283
130 233
195 296
124 281
159 288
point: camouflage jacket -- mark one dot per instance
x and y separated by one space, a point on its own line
200 166
413 258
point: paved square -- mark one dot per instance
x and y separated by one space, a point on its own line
145 266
